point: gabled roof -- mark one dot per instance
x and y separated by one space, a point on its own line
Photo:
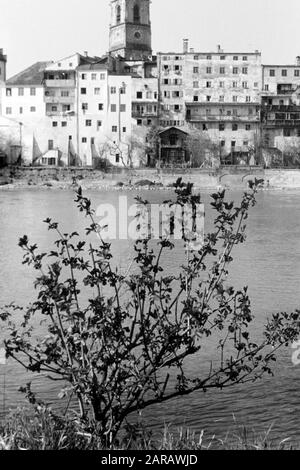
31 76
96 66
172 128
85 59
59 64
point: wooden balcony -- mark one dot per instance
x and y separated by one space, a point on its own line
60 83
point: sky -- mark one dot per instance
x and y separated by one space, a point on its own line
36 30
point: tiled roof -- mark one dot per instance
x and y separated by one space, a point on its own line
92 67
31 76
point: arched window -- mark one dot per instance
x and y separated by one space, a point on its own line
118 14
136 14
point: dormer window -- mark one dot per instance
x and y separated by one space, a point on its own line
136 14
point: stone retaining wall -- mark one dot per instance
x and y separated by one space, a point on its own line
231 178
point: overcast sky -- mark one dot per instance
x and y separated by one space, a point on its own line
34 30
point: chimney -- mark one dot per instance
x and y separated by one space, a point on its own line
185 46
298 60
192 50
86 53
219 49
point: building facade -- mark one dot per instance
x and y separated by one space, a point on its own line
216 94
281 106
81 110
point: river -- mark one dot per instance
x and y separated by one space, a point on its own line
269 263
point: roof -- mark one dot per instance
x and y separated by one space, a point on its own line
281 66
33 75
96 66
171 128
86 59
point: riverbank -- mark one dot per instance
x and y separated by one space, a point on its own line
124 180
40 429
67 178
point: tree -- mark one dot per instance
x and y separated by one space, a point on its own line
6 144
291 154
152 143
203 151
126 151
118 351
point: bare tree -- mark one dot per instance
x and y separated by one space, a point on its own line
204 152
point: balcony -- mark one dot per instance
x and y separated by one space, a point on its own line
221 118
60 83
222 104
282 108
179 145
59 99
140 110
286 89
144 114
282 123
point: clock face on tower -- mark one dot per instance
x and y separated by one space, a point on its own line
138 35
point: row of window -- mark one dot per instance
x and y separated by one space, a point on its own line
222 70
171 123
9 110
235 99
173 94
65 108
89 123
172 81
235 127
222 127
222 112
63 124
284 72
113 90
148 95
177 108
21 91
210 84
145 109
208 57
85 106
113 107
63 94
145 122
176 68
136 14
93 76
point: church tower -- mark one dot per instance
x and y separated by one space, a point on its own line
130 29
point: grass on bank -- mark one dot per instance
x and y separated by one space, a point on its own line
43 430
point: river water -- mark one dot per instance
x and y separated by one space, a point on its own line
269 263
